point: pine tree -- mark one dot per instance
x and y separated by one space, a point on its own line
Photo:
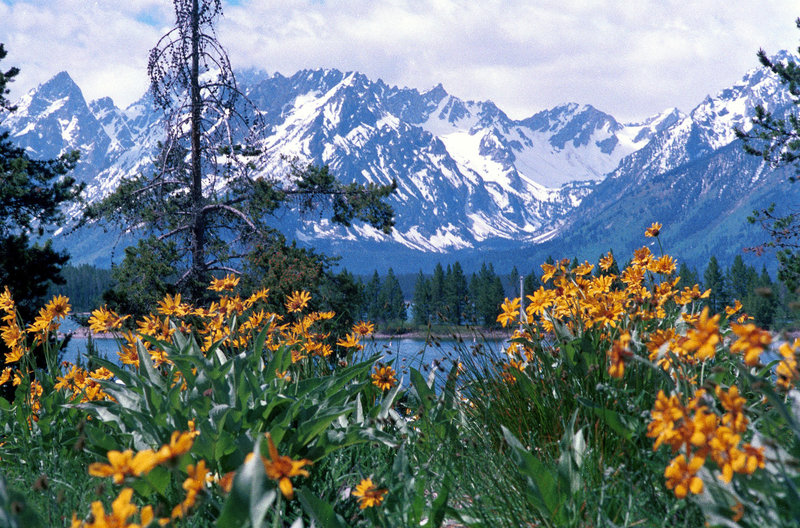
776 138
740 278
391 300
203 205
487 293
422 300
31 195
455 293
531 283
371 304
689 276
761 301
437 293
714 280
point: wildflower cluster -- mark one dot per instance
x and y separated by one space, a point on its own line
213 325
698 432
642 314
83 384
127 465
574 300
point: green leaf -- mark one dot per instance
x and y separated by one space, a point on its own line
319 510
611 418
542 492
440 505
249 498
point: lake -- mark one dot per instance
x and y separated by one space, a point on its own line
405 352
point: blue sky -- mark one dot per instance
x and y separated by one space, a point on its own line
631 58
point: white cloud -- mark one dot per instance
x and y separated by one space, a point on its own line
630 58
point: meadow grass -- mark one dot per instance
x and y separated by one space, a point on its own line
618 402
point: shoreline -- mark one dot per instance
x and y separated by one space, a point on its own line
463 334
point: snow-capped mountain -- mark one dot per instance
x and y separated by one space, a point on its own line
469 177
466 172
694 177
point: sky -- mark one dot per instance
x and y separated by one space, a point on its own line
629 58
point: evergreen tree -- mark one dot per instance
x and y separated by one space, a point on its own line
422 300
202 205
488 294
513 283
689 276
437 293
391 300
371 304
31 195
775 138
714 280
740 278
531 283
455 293
761 301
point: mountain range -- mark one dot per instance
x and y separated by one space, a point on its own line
473 184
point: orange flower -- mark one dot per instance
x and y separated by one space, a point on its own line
122 464
226 284
619 351
751 342
297 301
363 328
682 477
703 338
510 311
384 377
734 404
787 367
179 443
664 416
653 230
105 320
282 468
606 262
172 305
368 495
350 341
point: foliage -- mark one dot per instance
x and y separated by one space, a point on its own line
775 136
621 401
84 285
205 206
31 195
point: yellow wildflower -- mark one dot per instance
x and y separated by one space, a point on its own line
510 311
105 320
619 351
786 370
384 377
653 230
363 328
179 443
297 301
122 464
282 468
368 495
227 284
682 476
751 342
350 341
606 262
703 338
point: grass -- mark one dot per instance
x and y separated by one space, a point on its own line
561 429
